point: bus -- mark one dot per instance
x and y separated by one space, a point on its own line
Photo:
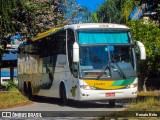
82 62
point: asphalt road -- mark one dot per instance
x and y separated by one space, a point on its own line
53 108
53 104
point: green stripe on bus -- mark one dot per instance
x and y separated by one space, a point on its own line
118 83
128 82
123 82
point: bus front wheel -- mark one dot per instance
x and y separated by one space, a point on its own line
63 96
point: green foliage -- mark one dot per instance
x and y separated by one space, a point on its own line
115 11
110 11
127 8
7 11
10 85
31 17
35 16
94 17
148 34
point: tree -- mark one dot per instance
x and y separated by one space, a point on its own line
30 17
35 16
115 11
149 35
128 6
41 15
8 10
110 11
77 13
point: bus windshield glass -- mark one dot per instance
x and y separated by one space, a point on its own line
114 60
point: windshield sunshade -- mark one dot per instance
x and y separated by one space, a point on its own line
102 37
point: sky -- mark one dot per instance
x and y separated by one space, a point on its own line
90 4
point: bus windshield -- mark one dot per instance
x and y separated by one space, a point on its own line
96 57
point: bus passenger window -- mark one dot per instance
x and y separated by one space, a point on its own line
62 46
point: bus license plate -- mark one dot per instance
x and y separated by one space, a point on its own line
110 94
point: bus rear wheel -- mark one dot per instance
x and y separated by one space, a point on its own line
30 93
63 96
25 89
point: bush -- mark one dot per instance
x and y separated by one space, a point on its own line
148 34
9 85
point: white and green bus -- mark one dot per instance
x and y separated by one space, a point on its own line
90 61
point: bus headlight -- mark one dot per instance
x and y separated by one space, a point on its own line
87 87
132 85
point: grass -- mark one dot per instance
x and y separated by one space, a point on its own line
12 98
149 104
149 93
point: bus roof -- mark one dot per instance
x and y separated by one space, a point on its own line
47 33
80 26
96 26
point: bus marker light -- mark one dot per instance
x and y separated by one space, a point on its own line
86 87
133 85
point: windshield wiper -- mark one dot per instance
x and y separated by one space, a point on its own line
119 69
102 72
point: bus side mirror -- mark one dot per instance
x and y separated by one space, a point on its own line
75 52
142 50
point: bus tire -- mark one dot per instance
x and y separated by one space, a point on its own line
25 89
30 93
63 96
112 103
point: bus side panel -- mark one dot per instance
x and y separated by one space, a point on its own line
54 71
20 83
20 72
68 80
74 89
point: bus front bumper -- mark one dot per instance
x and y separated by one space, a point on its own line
108 94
